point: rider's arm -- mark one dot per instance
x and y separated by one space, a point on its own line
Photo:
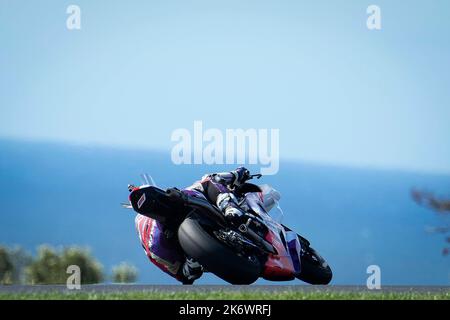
226 178
232 178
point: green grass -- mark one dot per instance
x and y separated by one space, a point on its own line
229 295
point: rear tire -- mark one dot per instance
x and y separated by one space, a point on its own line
215 256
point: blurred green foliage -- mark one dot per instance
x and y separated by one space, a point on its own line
50 266
12 264
6 267
124 273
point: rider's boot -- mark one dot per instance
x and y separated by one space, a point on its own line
227 203
234 215
191 271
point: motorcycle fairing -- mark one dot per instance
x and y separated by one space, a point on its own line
284 265
278 267
154 203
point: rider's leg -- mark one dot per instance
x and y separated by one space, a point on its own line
164 252
191 271
225 200
227 203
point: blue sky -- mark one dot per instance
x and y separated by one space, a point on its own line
136 71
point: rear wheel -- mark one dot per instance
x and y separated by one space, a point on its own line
215 256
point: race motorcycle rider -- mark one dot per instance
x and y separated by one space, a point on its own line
159 243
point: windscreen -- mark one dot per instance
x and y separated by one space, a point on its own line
268 204
147 180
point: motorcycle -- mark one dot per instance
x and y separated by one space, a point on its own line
258 247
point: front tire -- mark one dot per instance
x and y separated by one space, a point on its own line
314 268
215 256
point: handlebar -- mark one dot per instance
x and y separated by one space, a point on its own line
257 176
250 177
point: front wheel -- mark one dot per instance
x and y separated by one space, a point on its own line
314 268
215 256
